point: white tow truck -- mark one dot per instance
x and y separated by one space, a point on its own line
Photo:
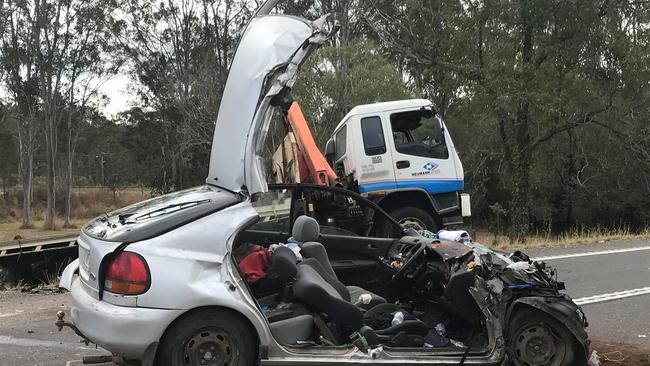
399 154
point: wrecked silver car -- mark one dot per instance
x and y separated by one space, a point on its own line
232 273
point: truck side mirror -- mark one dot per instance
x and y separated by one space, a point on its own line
329 152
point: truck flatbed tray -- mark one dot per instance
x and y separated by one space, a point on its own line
22 246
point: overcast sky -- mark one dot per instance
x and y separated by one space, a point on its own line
117 90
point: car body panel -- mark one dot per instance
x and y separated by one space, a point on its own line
68 274
92 253
127 331
155 216
201 277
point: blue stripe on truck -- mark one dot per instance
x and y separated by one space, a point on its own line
431 186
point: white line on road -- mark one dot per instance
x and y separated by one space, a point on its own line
587 254
612 296
30 342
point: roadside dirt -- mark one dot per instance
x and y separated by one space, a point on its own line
617 354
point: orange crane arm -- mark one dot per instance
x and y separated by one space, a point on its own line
319 170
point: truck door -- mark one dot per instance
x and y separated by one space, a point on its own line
421 152
374 161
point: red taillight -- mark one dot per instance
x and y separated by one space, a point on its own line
127 274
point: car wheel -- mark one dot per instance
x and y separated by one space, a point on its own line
537 339
208 338
414 218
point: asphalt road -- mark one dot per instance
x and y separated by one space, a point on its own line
28 335
612 270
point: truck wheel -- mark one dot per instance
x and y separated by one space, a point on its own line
537 339
414 218
208 337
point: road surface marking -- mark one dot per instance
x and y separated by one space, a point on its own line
30 342
612 296
587 254
16 312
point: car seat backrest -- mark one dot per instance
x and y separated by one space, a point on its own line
305 233
305 229
284 264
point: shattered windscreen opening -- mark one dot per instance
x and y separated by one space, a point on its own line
269 140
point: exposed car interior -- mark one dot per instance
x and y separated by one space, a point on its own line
421 303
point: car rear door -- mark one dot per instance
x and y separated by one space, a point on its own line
274 225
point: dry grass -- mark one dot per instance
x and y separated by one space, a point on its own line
9 230
91 202
577 236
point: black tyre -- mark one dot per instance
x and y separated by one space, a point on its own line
537 339
414 218
208 338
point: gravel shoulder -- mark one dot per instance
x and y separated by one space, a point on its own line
28 335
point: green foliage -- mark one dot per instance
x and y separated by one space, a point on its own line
326 93
548 102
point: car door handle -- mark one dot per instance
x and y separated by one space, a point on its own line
403 164
372 247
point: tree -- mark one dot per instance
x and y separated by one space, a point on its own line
19 42
326 93
180 53
523 73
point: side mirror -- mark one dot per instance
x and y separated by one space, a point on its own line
330 147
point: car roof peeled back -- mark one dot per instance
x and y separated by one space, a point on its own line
266 62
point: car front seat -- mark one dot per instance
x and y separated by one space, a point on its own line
309 286
306 233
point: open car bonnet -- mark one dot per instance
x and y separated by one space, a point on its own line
271 50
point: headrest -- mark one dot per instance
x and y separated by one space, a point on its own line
284 263
305 229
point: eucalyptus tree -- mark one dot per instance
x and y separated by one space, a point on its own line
180 52
52 52
518 78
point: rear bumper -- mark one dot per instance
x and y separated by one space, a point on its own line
125 331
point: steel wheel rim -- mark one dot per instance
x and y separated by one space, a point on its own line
412 223
538 345
210 347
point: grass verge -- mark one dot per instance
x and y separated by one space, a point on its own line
9 230
573 237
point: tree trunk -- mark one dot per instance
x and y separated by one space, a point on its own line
520 204
26 169
50 152
68 182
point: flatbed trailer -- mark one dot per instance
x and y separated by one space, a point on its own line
13 248
35 259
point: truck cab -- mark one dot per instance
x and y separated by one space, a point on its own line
400 155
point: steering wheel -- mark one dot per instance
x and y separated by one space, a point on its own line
413 255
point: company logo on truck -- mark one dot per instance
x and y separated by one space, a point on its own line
430 166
